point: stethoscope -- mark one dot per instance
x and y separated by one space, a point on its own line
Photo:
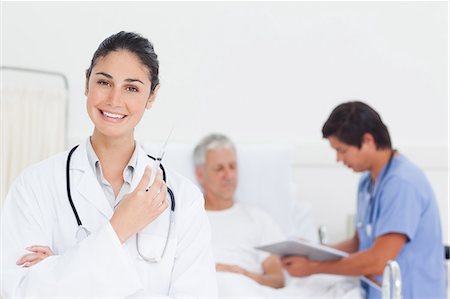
83 232
370 206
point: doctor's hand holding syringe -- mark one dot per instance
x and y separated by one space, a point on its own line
140 207
135 211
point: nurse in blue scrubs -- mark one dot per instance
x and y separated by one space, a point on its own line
397 214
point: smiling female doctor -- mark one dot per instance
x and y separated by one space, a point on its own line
88 246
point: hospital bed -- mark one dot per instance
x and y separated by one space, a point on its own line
261 166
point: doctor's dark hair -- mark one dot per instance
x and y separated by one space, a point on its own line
210 142
349 122
134 43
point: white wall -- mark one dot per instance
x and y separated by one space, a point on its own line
264 72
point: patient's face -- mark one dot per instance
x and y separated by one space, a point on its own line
219 175
351 156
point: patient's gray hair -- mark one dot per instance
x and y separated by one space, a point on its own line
209 142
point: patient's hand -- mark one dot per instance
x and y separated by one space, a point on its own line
271 278
230 268
38 254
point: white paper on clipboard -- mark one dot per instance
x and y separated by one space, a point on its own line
310 250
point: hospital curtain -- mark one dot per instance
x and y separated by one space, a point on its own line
33 128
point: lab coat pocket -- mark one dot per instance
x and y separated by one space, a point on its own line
153 238
151 246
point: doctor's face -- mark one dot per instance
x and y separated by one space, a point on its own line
118 92
219 174
350 155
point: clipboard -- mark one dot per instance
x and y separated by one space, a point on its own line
312 251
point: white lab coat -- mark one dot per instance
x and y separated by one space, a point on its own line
37 212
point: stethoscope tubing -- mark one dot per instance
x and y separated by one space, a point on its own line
69 195
371 203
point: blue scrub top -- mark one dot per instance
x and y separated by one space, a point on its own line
403 202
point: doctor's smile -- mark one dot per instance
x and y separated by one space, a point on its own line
112 115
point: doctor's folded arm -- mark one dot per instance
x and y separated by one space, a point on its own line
89 222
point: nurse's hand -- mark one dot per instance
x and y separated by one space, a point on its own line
298 266
38 254
140 207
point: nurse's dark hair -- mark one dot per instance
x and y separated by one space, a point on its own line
349 122
134 43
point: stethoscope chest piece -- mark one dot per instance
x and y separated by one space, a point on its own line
82 233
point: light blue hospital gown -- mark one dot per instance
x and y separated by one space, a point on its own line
405 203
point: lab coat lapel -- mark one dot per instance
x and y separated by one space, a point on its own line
88 186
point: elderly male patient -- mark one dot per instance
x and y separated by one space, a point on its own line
236 227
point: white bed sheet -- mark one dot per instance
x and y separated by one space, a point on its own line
233 285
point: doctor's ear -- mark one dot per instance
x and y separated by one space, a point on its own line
86 85
152 97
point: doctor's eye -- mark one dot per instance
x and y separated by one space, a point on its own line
103 83
132 89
